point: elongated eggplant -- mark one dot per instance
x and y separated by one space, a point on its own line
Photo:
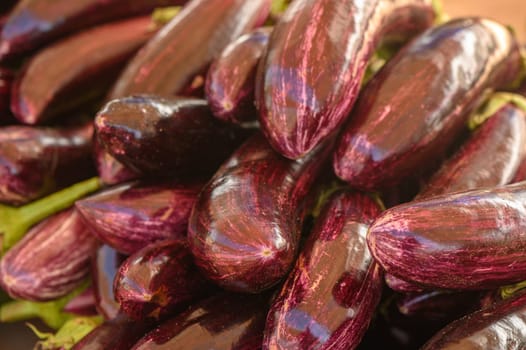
393 135
51 260
168 64
310 77
159 280
82 304
110 170
76 70
224 322
35 23
465 240
231 79
399 285
38 161
166 136
501 326
245 227
330 296
105 264
130 216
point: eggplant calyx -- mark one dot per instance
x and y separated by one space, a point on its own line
68 335
492 106
510 290
162 15
440 15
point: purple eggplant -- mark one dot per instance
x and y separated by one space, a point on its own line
400 125
224 322
110 170
310 77
330 296
166 136
104 267
231 79
245 227
6 82
130 216
77 70
399 285
82 304
35 23
158 280
170 62
466 240
51 260
37 161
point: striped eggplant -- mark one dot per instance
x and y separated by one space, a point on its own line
231 79
105 264
330 296
51 260
401 286
169 63
466 240
245 227
399 125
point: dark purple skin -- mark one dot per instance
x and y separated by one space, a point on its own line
224 322
401 286
77 70
166 136
231 80
501 326
491 157
330 296
131 216
51 260
104 266
83 304
245 227
6 81
37 161
465 240
109 169
392 135
310 49
169 63
159 280
35 23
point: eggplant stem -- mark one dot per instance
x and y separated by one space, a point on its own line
492 106
441 15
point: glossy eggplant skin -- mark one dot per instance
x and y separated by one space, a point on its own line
223 322
245 227
76 70
491 157
501 326
105 264
109 169
169 62
158 280
465 240
37 161
231 79
166 136
310 49
35 23
51 260
401 125
128 217
330 296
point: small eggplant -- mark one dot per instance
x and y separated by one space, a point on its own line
77 70
224 322
110 170
51 260
401 286
231 79
82 304
400 125
466 240
166 136
170 62
104 267
330 296
245 227
130 216
159 280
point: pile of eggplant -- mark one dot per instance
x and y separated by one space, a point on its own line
261 174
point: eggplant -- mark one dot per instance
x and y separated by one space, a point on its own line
231 79
82 304
169 63
245 227
130 216
159 136
77 70
224 322
110 170
159 280
35 23
330 296
391 136
309 78
6 81
51 260
501 326
105 264
399 285
465 240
